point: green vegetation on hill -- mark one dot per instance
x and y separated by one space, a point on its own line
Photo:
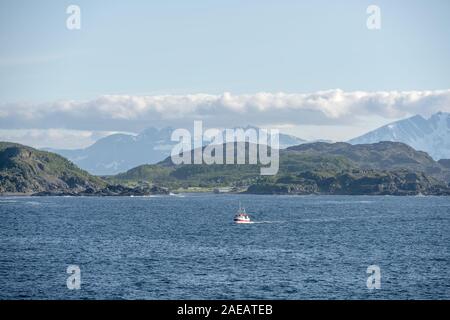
355 182
379 156
317 168
27 170
382 168
24 170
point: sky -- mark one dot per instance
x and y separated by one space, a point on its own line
310 68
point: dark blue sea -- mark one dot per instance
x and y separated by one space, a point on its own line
186 247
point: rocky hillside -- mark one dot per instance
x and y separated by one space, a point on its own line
27 170
24 170
380 156
316 168
354 182
445 163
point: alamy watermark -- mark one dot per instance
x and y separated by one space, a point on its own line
74 280
73 21
374 19
262 146
374 279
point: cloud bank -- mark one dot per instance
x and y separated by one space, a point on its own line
134 113
54 138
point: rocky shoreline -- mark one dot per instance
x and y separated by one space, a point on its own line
109 191
296 190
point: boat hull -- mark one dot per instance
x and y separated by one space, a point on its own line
242 221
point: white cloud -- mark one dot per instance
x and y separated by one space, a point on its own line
53 138
332 108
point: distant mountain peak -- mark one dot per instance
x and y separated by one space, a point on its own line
431 135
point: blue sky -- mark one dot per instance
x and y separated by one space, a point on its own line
148 48
163 47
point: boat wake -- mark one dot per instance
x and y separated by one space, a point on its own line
177 195
261 222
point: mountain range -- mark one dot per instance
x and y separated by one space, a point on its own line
431 135
120 152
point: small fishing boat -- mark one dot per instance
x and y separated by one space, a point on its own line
241 216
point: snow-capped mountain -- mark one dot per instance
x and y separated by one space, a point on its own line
285 140
430 135
121 152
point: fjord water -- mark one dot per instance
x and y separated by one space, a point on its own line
186 247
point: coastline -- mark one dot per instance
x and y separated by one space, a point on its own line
176 193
